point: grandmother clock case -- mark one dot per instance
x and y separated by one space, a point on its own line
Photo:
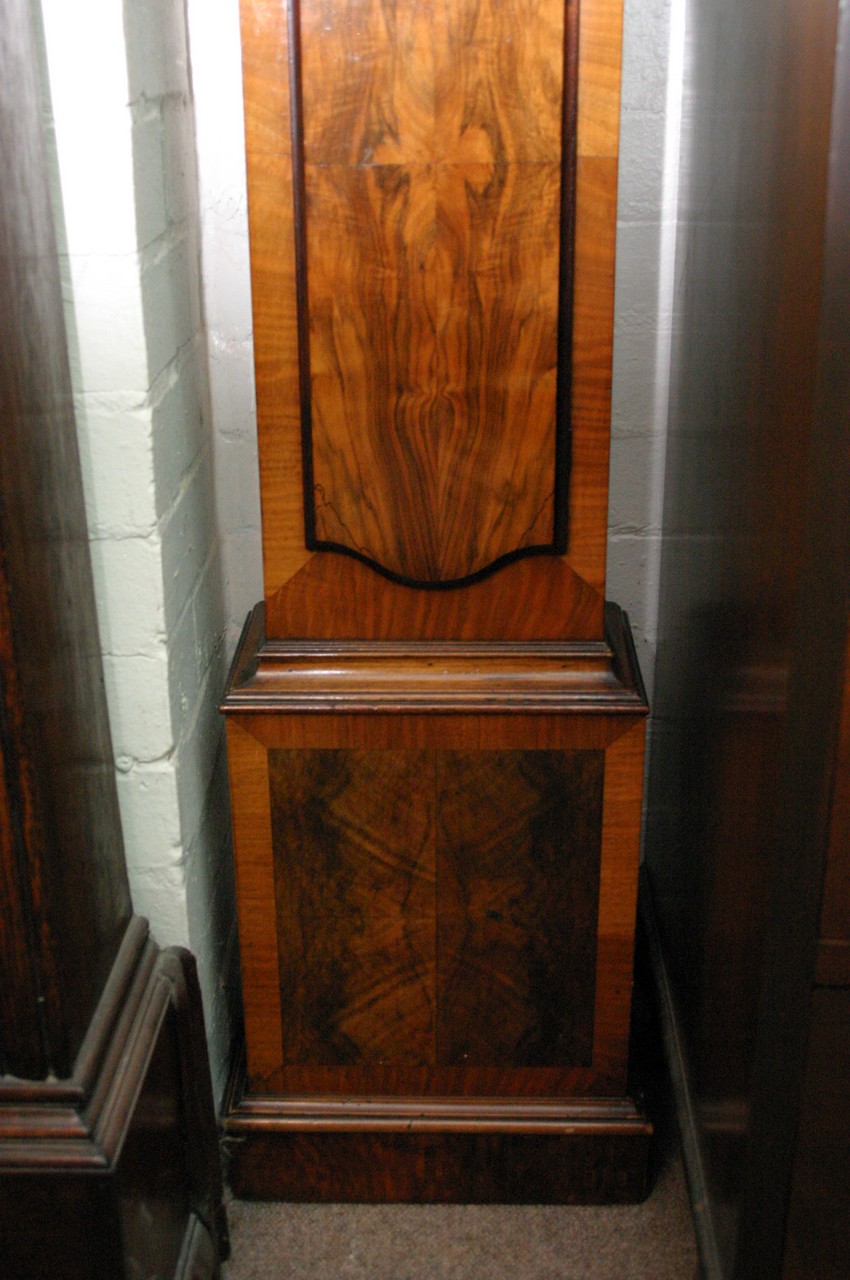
435 722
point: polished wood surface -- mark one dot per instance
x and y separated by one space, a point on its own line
434 382
442 83
354 855
593 344
436 726
454 678
433 151
268 141
387 860
334 597
482 112
584 1153
114 1172
436 902
250 804
517 903
369 752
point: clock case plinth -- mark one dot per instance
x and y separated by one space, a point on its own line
373 939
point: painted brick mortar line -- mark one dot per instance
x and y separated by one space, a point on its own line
190 726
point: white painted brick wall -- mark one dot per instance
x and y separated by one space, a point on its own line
124 134
217 78
647 211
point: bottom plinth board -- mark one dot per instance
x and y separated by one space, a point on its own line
436 1151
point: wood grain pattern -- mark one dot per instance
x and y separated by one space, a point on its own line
509 906
518 876
557 1149
593 343
486 732
433 347
600 48
593 1164
433 243
334 597
265 78
276 369
353 835
467 101
456 677
302 678
255 888
268 140
418 82
382 1080
369 947
618 882
620 737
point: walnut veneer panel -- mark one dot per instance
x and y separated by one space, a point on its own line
392 862
353 837
433 355
518 874
436 908
432 141
460 109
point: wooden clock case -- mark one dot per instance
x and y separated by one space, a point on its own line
435 722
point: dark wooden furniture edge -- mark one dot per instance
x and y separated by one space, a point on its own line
198 1257
833 963
132 960
677 1064
79 1126
436 676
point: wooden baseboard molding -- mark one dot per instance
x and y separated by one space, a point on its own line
115 1171
677 1064
435 1150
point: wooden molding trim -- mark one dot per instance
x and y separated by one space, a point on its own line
436 1150
121 995
436 1115
94 1142
80 1123
436 676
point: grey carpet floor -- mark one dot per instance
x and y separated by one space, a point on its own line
651 1241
